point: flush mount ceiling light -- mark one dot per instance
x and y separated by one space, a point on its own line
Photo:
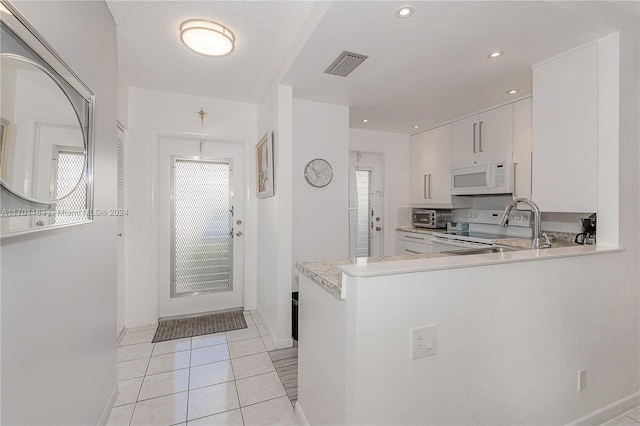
365 120
404 12
417 126
496 54
207 37
512 91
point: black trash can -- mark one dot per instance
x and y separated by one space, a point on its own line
294 315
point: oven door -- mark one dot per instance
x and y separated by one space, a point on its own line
444 243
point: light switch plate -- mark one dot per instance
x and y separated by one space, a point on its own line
423 341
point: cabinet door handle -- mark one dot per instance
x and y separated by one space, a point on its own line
425 187
515 181
474 137
411 251
429 185
480 136
415 238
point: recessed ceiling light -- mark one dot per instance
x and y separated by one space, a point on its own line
365 120
512 91
404 12
207 37
496 54
416 126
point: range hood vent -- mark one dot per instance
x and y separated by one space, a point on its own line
345 63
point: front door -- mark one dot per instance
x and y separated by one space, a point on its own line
200 226
365 204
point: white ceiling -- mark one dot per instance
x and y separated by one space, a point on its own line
151 55
432 67
427 69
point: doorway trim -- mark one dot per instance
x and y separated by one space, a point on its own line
155 178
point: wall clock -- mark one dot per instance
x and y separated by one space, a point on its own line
318 172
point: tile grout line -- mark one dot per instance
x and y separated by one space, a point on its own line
631 418
141 385
235 384
186 416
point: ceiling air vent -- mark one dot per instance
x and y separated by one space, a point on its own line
345 63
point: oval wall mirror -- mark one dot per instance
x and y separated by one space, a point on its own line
45 146
46 133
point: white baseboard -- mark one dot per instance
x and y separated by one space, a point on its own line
140 323
300 417
120 335
277 342
106 412
609 412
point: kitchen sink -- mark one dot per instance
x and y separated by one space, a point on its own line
483 250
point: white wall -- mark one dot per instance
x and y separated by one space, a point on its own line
58 286
274 245
511 339
151 114
395 148
320 215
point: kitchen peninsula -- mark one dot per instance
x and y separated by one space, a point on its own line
356 319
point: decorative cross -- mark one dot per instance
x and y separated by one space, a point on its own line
201 113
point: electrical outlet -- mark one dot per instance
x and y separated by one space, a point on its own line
423 341
582 380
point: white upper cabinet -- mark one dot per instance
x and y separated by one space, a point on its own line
439 179
522 149
565 138
418 168
483 138
430 164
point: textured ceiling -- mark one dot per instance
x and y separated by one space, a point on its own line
427 69
433 66
151 55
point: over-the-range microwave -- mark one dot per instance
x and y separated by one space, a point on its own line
494 178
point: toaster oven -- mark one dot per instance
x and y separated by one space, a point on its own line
424 218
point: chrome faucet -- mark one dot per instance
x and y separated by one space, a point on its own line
537 235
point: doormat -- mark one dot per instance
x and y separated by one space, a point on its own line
206 324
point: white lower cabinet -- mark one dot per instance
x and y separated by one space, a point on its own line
413 243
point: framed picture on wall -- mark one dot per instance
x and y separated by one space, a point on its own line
264 166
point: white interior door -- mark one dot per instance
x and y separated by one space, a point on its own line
365 204
200 226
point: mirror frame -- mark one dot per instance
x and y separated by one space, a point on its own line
27 34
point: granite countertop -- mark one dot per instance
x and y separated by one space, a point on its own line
328 274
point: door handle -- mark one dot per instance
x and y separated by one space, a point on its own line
480 136
474 137
378 228
119 234
429 185
239 234
515 177
424 188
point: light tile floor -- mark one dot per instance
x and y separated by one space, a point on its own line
217 379
632 418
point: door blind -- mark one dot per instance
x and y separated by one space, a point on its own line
121 181
202 251
69 166
363 213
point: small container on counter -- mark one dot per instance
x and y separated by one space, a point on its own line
457 226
